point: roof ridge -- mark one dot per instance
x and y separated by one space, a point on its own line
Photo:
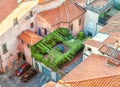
67 17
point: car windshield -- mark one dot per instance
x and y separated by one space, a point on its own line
19 69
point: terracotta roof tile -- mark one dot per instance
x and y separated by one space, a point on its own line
81 2
6 7
64 13
111 40
51 84
114 19
30 37
110 51
93 72
93 43
110 81
110 28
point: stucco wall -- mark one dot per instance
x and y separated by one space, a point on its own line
10 38
88 53
99 27
76 27
91 19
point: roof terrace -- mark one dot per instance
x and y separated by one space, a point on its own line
99 6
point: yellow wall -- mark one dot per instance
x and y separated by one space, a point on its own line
19 12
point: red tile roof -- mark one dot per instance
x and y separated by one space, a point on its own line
110 81
30 37
114 19
110 28
115 36
65 13
93 72
110 51
81 3
6 7
93 43
51 84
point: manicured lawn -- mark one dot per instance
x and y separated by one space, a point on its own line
57 48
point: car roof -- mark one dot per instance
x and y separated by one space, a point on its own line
24 65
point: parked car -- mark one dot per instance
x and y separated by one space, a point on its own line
22 69
28 75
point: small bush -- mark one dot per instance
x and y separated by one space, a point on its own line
81 35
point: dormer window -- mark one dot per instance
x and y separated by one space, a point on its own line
15 21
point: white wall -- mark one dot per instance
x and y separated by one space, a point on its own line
87 53
91 19
99 27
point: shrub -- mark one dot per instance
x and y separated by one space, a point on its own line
81 35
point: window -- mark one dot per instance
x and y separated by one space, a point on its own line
79 21
15 21
89 33
4 48
26 18
22 41
19 55
32 25
31 13
71 27
89 49
28 46
45 31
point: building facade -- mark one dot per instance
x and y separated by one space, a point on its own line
64 16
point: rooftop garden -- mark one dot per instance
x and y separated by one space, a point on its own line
58 48
103 18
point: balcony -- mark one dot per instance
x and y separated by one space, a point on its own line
99 6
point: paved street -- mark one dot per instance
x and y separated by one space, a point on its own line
14 81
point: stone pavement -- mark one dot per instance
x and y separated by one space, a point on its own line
11 80
14 81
